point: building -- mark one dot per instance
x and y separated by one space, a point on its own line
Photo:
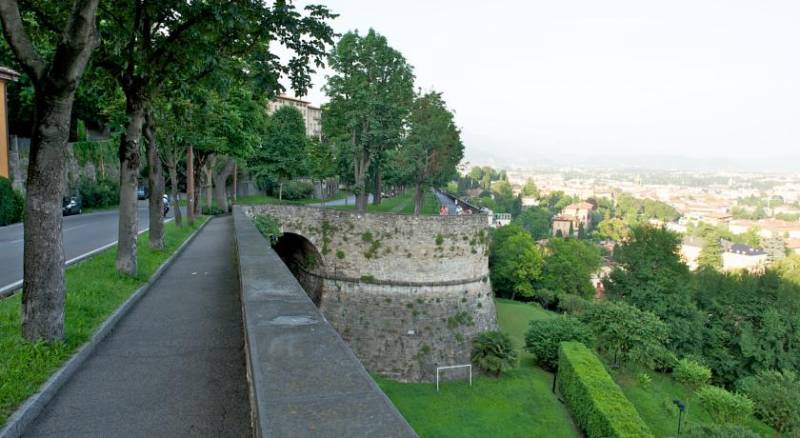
740 256
690 250
6 75
572 219
312 115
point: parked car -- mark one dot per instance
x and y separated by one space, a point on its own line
142 192
71 205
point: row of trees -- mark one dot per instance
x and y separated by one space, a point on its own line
382 130
180 74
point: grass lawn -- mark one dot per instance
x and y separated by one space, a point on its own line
519 404
94 291
654 403
402 204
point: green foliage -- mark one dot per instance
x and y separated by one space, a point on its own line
719 431
98 194
535 220
340 254
212 211
711 254
439 239
692 373
644 379
514 261
282 155
269 227
493 352
725 407
296 190
776 397
543 338
529 189
613 228
573 304
597 403
629 334
12 204
569 265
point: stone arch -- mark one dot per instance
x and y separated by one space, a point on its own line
305 261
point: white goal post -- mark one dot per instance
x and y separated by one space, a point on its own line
451 367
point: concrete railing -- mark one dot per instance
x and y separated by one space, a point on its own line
304 380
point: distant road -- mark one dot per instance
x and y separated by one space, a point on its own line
82 233
350 200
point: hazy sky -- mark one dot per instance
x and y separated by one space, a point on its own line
530 80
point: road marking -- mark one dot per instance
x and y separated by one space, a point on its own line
9 289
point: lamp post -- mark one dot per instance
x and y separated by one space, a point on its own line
681 407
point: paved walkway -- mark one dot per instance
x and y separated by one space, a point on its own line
174 366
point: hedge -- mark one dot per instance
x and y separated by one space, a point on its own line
12 204
597 403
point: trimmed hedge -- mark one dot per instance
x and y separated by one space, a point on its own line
597 403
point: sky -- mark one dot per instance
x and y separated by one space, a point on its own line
546 82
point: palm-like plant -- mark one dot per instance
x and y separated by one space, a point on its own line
493 352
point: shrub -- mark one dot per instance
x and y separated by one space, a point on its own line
723 406
664 361
644 379
719 431
98 194
294 190
597 403
546 297
493 352
12 204
573 304
776 395
212 211
268 227
691 373
544 336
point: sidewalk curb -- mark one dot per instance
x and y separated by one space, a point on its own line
13 288
19 421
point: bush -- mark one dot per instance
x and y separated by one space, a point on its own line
98 194
544 336
597 403
664 361
692 373
776 395
211 211
723 406
493 352
547 298
294 190
12 204
573 304
719 431
269 227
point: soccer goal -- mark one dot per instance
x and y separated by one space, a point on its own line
453 367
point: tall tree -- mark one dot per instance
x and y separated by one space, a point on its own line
433 146
55 81
147 45
370 93
282 155
711 254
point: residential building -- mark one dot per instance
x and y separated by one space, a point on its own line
312 115
572 219
738 256
690 250
6 75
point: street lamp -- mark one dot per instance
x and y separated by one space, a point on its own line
681 407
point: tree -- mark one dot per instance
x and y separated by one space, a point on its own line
535 220
320 160
515 263
54 81
282 155
776 397
530 189
545 335
433 146
614 228
149 45
775 248
711 254
569 265
628 333
370 93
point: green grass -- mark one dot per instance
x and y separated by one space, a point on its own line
402 204
519 404
654 403
94 291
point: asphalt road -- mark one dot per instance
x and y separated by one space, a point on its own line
82 233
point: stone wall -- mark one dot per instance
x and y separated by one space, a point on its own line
407 293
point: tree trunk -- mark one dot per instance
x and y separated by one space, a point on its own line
208 171
221 183
129 158
173 183
235 174
376 197
418 199
43 292
362 197
155 181
190 200
280 192
14 166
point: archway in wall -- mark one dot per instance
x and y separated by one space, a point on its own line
304 260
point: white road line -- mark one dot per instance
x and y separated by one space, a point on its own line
7 290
